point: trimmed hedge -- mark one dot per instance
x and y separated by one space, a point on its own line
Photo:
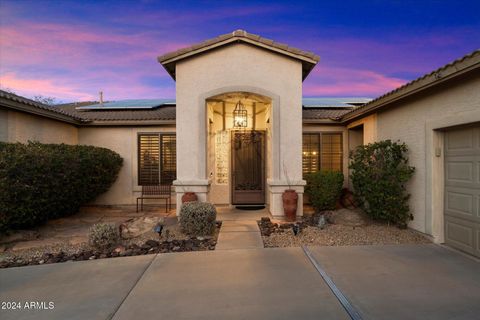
379 173
324 189
197 218
39 182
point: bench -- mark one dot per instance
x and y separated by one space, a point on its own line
156 192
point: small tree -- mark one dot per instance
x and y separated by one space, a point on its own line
379 173
45 100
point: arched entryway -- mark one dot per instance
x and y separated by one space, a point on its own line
239 131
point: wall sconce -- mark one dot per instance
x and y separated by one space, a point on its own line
239 116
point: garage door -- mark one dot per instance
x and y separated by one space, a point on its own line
462 189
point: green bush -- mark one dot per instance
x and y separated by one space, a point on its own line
379 173
323 189
103 235
43 181
198 218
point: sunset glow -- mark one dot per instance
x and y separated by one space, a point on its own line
72 50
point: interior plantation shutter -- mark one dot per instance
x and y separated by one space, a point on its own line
168 158
310 153
148 159
332 155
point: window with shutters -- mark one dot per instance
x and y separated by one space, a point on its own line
311 153
331 152
156 158
322 151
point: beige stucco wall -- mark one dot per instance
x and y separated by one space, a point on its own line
369 127
122 140
416 122
239 67
23 127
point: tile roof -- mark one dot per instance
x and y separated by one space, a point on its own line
330 113
8 96
309 59
163 113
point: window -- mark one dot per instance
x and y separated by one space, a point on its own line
322 151
311 153
331 152
156 159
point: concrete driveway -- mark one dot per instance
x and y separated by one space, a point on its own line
380 282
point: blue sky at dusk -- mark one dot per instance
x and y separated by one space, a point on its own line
73 49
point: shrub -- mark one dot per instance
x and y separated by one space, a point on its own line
324 189
379 173
198 218
43 181
103 235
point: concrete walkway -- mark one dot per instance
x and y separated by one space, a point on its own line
381 282
240 229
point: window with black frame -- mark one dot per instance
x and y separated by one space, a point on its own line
322 151
156 159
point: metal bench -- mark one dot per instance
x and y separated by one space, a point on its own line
156 192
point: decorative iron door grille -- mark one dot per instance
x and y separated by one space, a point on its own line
248 167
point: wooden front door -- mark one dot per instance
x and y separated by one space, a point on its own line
248 167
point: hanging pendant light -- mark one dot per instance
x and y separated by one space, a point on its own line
239 116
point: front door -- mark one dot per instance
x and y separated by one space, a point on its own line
248 169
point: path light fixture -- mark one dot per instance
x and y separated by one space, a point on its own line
239 116
158 229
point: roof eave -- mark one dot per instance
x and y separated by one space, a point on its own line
130 122
7 103
430 80
321 121
168 61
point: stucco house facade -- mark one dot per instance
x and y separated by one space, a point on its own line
239 132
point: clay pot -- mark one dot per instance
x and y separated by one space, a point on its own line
290 203
189 197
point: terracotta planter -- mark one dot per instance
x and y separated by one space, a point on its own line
189 197
290 203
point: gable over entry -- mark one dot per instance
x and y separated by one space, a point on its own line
230 67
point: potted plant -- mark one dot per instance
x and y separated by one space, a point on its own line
290 200
188 196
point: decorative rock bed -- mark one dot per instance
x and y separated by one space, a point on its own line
307 232
135 248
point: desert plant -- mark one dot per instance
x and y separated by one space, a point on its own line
323 189
43 181
198 218
379 173
103 235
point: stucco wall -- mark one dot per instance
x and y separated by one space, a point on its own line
409 122
22 127
369 124
122 140
239 67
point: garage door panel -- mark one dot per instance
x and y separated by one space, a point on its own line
462 189
460 139
460 171
459 234
460 203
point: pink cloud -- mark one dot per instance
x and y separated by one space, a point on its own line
46 87
333 81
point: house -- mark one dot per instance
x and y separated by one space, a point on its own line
239 133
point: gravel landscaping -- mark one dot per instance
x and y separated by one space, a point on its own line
282 234
172 240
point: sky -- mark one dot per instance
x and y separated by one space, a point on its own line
71 50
